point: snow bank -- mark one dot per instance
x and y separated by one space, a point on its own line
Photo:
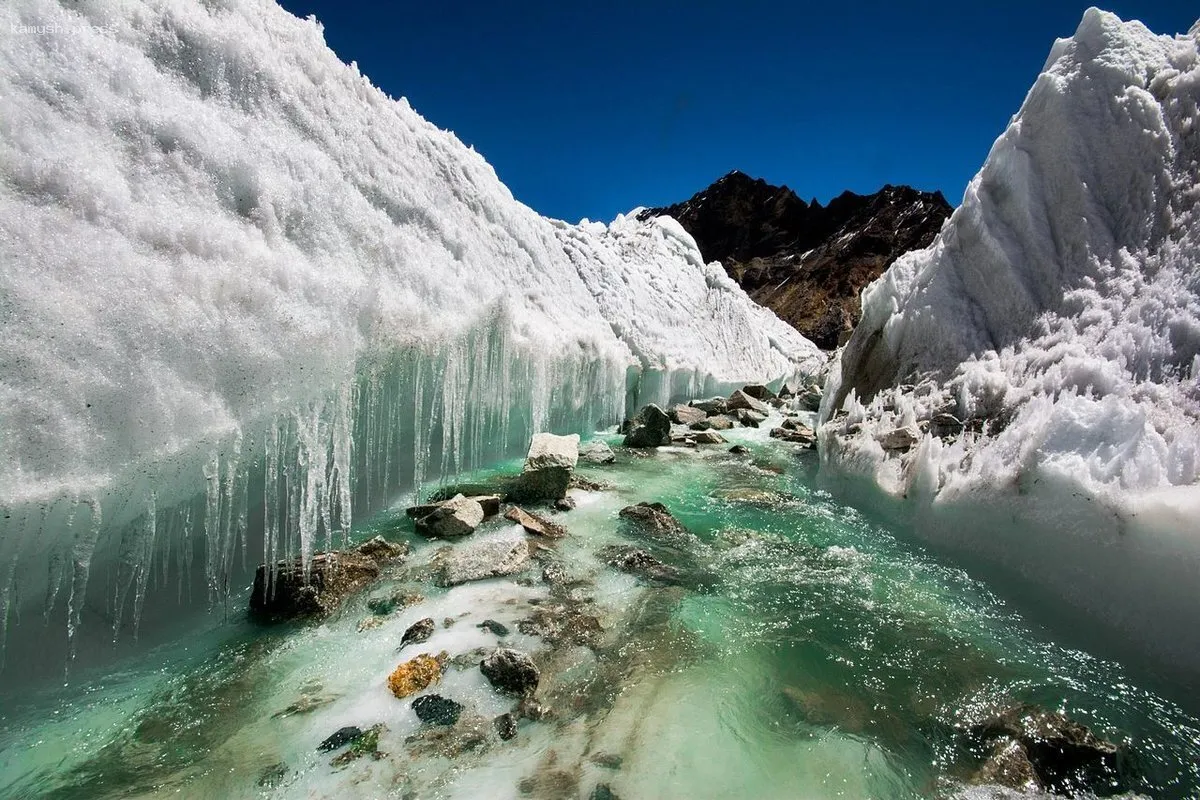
232 269
1058 316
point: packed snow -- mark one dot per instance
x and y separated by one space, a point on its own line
222 248
1058 316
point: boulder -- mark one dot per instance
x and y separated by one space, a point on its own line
712 406
651 428
510 671
943 425
759 392
548 467
398 599
708 437
494 557
738 450
899 438
740 399
434 709
458 516
366 744
597 452
748 418
418 632
809 398
802 435
686 415
1066 756
702 425
289 592
416 674
653 518
1009 765
534 524
720 423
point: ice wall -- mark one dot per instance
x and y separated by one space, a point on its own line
1058 316
244 289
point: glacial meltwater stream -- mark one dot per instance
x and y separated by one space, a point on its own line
799 650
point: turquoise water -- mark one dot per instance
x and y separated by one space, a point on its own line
807 652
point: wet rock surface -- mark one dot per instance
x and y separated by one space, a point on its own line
548 466
535 524
340 738
510 671
433 709
456 517
489 558
563 623
418 632
292 593
650 428
597 452
416 674
639 562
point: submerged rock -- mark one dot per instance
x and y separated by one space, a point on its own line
489 558
367 744
1009 765
597 452
434 709
418 632
636 561
386 604
563 624
457 517
548 466
1066 757
738 450
532 523
292 593
603 792
510 671
273 775
494 627
340 738
506 726
650 428
416 674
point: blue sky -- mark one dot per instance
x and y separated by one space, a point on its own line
587 110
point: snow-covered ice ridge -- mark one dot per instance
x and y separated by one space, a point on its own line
1059 313
221 247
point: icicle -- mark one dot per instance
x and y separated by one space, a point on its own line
81 560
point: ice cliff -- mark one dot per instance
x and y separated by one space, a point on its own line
235 276
1042 356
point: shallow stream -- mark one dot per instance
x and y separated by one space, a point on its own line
803 652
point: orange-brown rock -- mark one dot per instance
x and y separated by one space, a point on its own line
416 674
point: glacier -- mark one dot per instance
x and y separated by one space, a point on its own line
247 295
1057 315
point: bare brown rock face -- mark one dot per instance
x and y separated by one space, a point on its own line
807 262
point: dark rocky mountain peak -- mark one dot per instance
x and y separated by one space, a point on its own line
807 262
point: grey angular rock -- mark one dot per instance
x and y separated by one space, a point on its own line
944 424
651 428
510 671
708 437
711 406
597 452
653 518
751 419
532 523
899 438
494 557
739 399
548 466
458 516
759 392
810 398
686 415
636 561
720 423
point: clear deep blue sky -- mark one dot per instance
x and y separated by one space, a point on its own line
587 110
